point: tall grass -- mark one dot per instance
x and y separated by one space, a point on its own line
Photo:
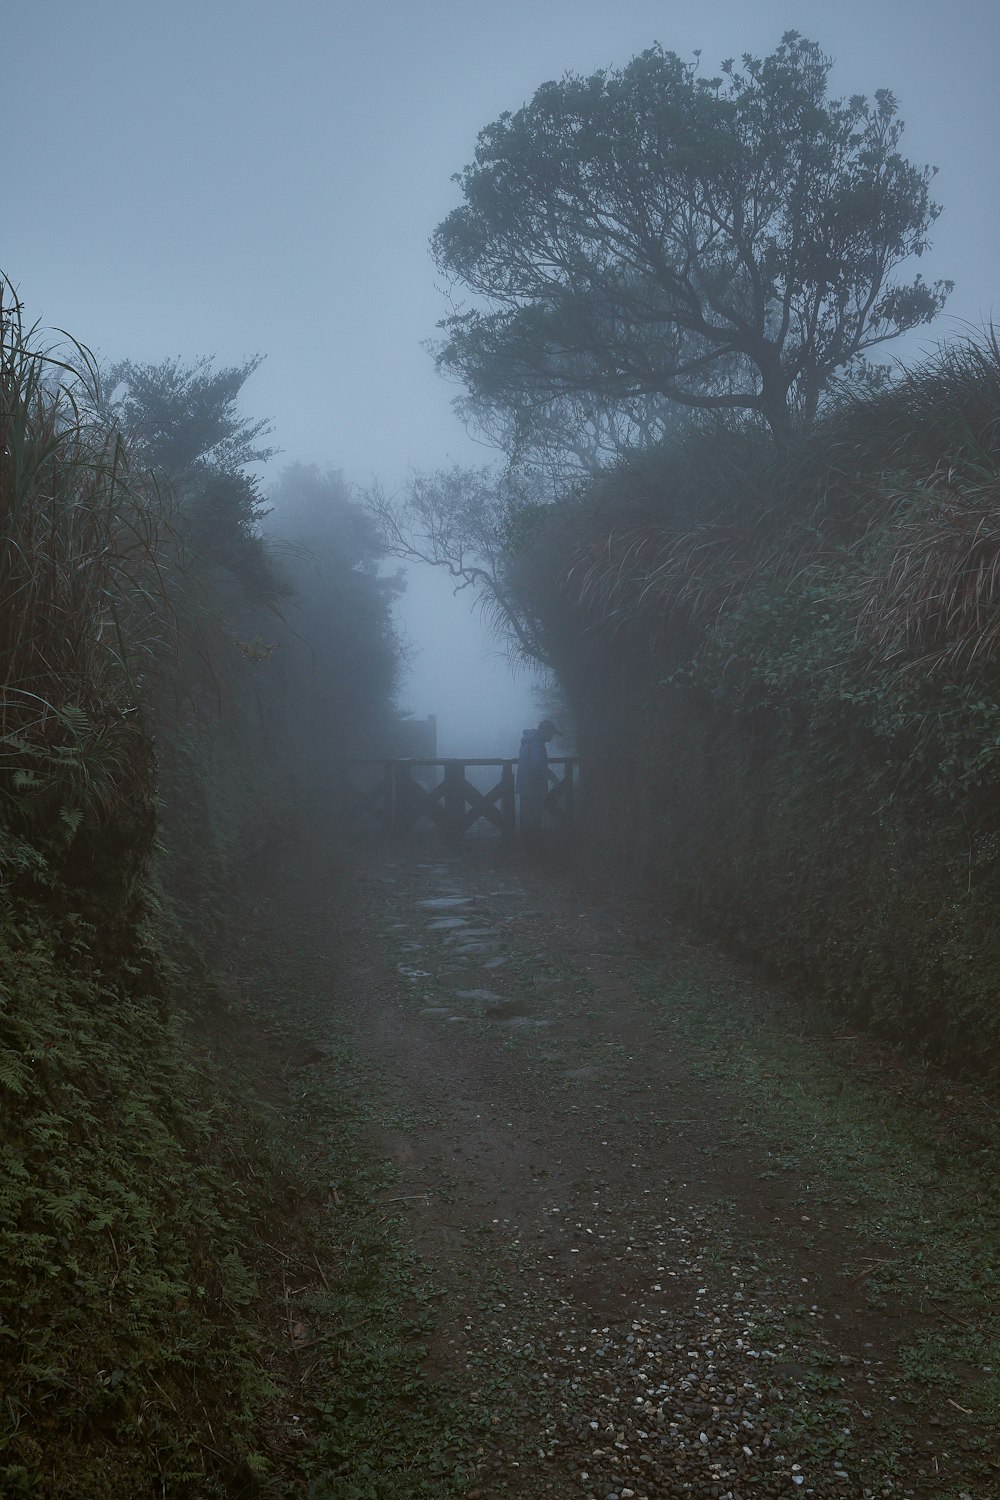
83 601
893 498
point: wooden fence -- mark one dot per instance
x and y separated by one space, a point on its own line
399 794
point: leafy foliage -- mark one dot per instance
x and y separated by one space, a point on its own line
186 416
124 1269
724 243
185 424
248 761
144 1347
136 1355
147 1343
787 680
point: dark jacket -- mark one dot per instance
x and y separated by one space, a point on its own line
532 764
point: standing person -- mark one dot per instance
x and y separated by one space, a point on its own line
532 781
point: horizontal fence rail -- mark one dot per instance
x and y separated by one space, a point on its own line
398 794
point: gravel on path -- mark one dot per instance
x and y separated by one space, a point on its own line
637 1301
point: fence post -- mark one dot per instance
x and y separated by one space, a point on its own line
454 799
399 811
508 805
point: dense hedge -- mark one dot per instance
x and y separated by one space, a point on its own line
137 714
787 694
828 845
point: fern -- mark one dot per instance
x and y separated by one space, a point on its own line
13 1074
73 717
70 819
65 1209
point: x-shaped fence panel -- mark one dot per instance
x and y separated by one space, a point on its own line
389 793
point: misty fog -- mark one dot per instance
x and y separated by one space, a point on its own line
284 172
459 671
535 1037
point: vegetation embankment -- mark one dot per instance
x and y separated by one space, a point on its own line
151 706
200 1296
763 569
784 666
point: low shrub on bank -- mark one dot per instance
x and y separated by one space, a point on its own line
128 1260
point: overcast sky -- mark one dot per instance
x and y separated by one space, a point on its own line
228 177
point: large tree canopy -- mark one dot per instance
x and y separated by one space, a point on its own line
725 243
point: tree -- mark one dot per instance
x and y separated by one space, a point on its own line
184 422
468 522
185 416
571 438
727 243
342 659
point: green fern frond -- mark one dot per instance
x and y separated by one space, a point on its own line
64 1210
75 719
71 818
13 1074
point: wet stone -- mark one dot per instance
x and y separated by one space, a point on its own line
511 1010
444 924
445 903
484 995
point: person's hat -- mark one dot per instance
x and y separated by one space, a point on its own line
547 727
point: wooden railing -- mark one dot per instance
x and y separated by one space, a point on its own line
399 794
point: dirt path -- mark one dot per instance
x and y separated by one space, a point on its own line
661 1267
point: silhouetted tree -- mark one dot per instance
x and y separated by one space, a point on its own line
341 659
574 436
726 243
184 422
185 415
467 522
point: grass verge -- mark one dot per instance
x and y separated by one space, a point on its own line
358 1417
200 1292
910 1161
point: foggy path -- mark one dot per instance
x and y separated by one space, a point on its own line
653 1282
